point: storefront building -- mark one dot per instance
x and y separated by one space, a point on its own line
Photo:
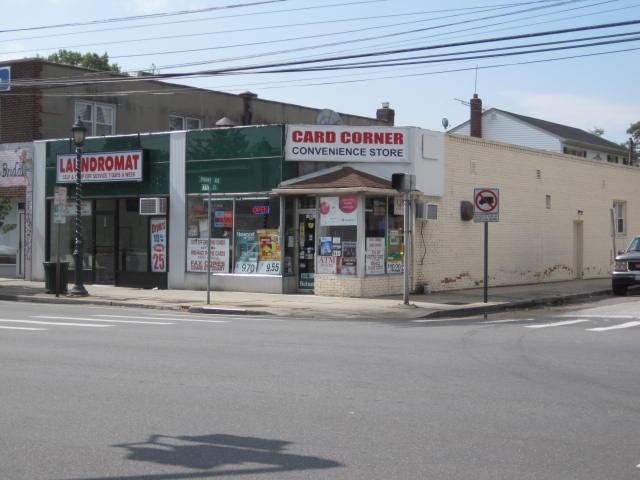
300 208
16 176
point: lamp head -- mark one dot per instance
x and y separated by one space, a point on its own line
79 132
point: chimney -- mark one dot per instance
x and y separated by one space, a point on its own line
476 116
247 100
386 114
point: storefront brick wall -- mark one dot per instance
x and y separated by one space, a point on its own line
352 286
531 243
20 108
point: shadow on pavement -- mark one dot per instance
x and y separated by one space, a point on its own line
207 453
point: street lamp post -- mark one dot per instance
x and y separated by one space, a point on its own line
79 132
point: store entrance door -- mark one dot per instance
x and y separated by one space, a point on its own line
306 249
105 241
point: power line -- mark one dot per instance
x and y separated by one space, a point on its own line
142 17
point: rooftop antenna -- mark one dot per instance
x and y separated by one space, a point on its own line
475 84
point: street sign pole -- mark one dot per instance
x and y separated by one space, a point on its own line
59 217
406 256
486 262
209 246
486 208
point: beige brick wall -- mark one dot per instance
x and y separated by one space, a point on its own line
352 286
531 243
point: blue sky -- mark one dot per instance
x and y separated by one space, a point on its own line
584 92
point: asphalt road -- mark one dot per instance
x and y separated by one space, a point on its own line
548 394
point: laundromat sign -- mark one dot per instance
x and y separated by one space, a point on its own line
101 167
336 143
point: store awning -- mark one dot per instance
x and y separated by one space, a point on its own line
340 180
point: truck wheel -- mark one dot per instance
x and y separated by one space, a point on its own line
620 290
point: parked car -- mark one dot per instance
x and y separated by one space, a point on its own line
627 269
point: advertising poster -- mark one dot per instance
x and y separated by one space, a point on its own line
375 256
394 251
338 211
246 252
222 218
327 265
269 248
336 247
326 246
158 229
349 259
197 255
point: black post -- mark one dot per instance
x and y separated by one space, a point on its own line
78 289
486 261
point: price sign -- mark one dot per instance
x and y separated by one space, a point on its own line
246 267
269 268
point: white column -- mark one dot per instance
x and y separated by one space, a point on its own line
177 209
361 232
38 239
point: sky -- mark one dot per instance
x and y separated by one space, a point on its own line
588 92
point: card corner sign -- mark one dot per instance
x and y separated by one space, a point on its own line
486 204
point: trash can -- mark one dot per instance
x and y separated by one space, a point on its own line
50 277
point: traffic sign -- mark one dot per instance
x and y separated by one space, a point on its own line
486 205
5 79
59 204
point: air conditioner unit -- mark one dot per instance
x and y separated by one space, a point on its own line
426 211
153 206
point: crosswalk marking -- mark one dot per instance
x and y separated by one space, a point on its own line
63 324
164 318
21 328
82 319
557 324
509 320
614 327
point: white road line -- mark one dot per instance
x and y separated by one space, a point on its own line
98 320
614 327
64 324
160 318
511 320
21 328
622 317
557 324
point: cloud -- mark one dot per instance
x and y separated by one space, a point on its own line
579 111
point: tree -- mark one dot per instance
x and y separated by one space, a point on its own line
634 130
597 131
5 208
87 60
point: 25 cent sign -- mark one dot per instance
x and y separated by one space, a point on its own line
486 205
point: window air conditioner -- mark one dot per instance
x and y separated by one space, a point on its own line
426 211
153 206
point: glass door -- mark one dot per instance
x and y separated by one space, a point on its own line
105 241
306 249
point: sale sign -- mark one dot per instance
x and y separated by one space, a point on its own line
197 255
158 229
99 167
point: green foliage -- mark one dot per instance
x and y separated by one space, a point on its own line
597 131
87 60
634 130
5 208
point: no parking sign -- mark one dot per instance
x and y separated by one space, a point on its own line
486 205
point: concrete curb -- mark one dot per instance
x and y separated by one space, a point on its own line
78 301
503 307
227 311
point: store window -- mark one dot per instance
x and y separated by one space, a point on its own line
178 122
99 118
8 231
67 234
245 235
221 224
337 253
384 226
257 222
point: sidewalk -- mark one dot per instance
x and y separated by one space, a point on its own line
438 304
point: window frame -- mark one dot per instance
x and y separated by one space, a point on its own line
620 215
91 125
184 119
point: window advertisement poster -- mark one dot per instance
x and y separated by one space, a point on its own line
338 211
375 256
326 246
269 248
222 218
246 253
394 251
349 259
158 229
197 255
336 247
327 265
